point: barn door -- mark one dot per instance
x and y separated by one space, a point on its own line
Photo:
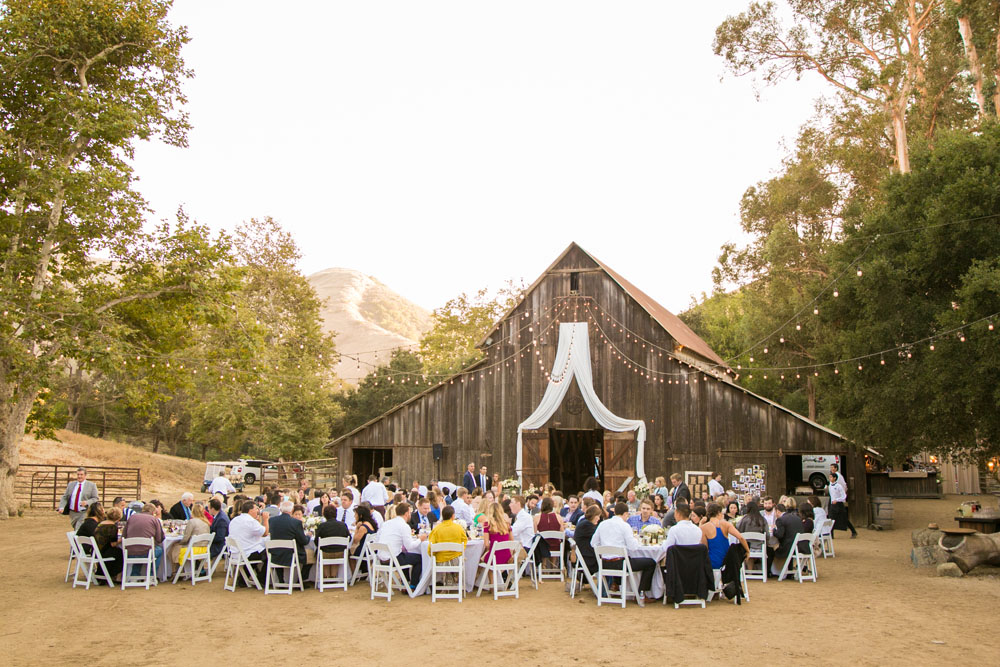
619 459
534 458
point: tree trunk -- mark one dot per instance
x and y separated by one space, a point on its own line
156 443
811 397
899 133
996 75
975 67
74 406
15 404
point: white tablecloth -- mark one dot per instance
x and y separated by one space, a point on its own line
656 552
164 568
473 554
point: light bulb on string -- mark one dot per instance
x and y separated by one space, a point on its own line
815 311
835 294
859 273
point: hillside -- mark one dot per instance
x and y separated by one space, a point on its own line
366 316
164 477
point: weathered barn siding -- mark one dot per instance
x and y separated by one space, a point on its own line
694 421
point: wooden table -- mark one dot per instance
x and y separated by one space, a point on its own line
980 524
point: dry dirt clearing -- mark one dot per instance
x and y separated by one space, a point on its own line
870 607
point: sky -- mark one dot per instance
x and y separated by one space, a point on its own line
443 147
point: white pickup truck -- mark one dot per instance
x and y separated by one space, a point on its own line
816 469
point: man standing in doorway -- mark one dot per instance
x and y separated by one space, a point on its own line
77 497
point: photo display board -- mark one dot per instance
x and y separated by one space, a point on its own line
750 479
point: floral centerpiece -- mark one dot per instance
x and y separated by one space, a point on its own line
652 534
510 486
311 522
462 523
643 489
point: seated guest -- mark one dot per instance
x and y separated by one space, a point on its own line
532 504
286 527
645 517
376 516
331 528
670 518
732 514
819 514
496 529
608 501
590 490
684 533
235 507
571 512
698 514
786 527
249 529
660 489
95 515
632 501
791 507
447 531
767 511
144 524
181 511
659 506
198 524
422 518
315 501
547 520
363 527
615 532
219 527
161 511
436 502
395 534
753 521
273 500
806 514
345 513
717 534
324 502
106 536
463 512
585 533
523 527
299 512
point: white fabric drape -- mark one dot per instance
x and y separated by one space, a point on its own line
573 360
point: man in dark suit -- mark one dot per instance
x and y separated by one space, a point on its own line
786 528
286 527
680 490
483 481
423 516
469 481
220 527
182 510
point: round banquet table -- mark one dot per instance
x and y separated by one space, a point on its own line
473 554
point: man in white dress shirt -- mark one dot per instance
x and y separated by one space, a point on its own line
77 498
462 509
395 533
615 532
684 533
715 487
345 513
375 494
838 504
249 530
523 529
768 512
221 484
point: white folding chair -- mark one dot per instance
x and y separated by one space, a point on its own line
454 566
223 555
385 569
194 562
553 572
74 550
502 587
294 578
758 552
604 593
364 558
147 561
800 562
237 565
531 561
580 572
89 556
336 581
826 538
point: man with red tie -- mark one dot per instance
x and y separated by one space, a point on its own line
77 498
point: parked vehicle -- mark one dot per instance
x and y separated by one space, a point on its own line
249 469
816 469
212 470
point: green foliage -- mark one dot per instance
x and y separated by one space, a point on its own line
459 326
918 284
380 391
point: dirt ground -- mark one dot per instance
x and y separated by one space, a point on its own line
870 606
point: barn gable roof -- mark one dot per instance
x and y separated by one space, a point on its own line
672 324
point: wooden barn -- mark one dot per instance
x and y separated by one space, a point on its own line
628 391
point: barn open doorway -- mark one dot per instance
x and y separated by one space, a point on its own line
574 455
368 461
